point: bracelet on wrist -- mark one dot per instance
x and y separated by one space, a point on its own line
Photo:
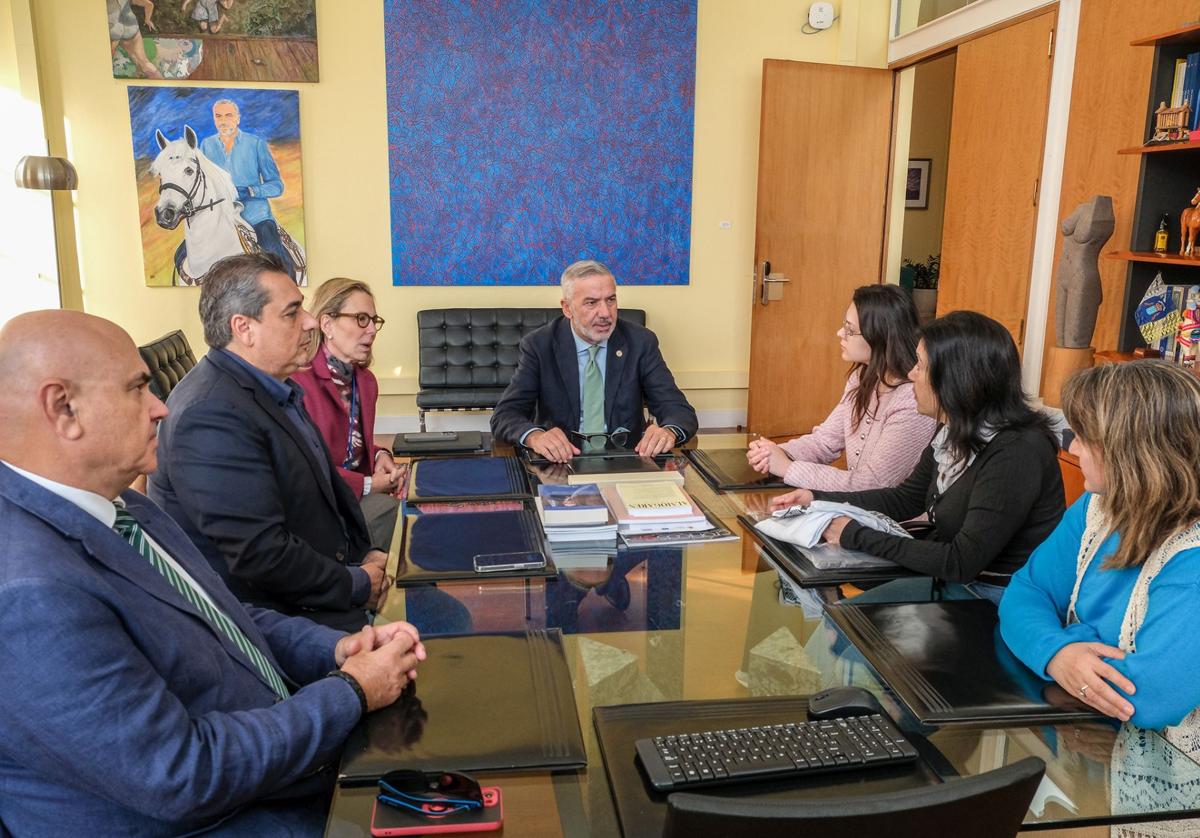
353 682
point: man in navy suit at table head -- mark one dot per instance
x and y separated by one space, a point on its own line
140 697
588 377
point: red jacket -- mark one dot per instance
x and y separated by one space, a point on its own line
328 411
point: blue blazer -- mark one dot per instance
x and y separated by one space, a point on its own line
544 392
124 711
278 523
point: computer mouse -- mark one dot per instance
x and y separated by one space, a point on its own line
840 702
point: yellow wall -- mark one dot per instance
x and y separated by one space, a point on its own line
704 327
933 95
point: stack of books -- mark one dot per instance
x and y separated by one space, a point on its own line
659 513
576 517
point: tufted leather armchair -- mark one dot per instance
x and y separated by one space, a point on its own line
468 355
169 358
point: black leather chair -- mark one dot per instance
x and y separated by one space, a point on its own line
990 805
468 355
169 358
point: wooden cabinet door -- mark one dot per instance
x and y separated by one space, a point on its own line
822 184
997 132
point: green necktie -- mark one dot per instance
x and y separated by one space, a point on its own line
593 396
129 529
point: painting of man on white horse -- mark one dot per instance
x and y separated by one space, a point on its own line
197 192
194 209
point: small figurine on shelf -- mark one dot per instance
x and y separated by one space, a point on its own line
1171 124
1161 237
1189 328
1189 226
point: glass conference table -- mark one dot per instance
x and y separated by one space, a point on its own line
710 622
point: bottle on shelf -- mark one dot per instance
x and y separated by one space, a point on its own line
1160 238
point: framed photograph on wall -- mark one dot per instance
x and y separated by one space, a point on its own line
916 186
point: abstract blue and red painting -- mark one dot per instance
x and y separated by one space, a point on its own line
526 134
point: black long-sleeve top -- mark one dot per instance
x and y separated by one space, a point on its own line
986 524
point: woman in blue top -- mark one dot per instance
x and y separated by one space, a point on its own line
1107 605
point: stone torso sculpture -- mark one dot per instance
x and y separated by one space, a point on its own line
1085 231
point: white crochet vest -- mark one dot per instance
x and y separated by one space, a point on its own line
1186 735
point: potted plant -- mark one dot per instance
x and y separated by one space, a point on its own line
925 283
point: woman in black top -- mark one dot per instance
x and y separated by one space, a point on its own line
989 482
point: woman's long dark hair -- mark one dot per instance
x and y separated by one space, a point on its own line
975 374
887 320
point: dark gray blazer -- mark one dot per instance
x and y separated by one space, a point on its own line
278 524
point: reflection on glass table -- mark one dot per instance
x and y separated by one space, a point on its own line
632 590
720 625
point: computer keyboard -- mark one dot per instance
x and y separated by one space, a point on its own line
736 755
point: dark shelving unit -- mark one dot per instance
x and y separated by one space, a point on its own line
1169 177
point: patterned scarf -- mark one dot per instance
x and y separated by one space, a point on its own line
342 374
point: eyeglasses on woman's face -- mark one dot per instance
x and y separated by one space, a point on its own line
849 331
363 319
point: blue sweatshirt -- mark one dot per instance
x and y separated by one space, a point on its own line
1165 669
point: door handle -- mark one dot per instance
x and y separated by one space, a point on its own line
772 285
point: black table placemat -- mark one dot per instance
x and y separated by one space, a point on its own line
947 662
792 561
441 546
486 702
442 479
726 470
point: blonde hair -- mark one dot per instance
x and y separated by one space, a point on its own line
1143 418
330 298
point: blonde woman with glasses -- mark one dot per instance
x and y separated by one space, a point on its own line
340 392
1107 605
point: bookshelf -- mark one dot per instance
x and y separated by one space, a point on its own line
1169 177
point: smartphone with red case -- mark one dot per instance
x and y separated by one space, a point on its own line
388 820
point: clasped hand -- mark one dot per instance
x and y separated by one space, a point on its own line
383 659
766 457
374 564
389 477
1080 669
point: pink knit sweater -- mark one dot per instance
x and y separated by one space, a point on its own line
879 453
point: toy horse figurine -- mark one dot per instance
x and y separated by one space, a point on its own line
1189 224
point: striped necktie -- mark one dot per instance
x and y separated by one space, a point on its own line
129 529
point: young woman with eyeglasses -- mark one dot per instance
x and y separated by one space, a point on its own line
876 423
988 484
340 392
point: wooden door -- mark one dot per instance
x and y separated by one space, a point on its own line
997 132
822 183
